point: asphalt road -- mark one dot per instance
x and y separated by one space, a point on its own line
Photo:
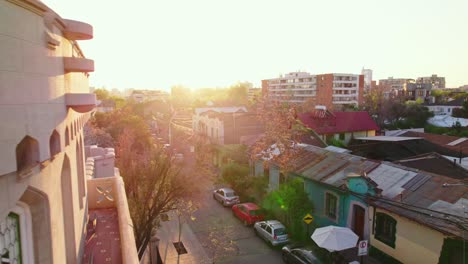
225 239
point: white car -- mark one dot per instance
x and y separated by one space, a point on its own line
226 196
272 231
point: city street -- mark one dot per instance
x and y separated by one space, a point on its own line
214 235
225 239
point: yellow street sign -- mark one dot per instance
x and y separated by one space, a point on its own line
308 219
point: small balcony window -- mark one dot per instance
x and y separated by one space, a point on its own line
27 153
54 143
67 136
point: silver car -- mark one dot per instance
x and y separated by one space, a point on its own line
272 231
226 196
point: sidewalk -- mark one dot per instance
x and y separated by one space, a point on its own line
169 233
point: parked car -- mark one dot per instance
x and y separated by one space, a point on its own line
248 213
226 196
272 231
299 255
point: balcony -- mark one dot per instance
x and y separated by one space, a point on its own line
109 230
80 102
77 64
76 30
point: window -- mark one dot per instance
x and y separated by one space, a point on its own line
331 205
10 250
268 229
342 136
280 231
27 153
54 143
242 209
385 229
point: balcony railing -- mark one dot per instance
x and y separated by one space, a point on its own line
107 194
76 30
78 64
81 102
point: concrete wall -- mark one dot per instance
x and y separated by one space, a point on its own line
32 88
414 243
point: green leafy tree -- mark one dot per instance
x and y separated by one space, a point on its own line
236 175
249 188
290 204
416 115
101 94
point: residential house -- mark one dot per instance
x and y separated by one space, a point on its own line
406 213
445 108
342 126
420 217
335 183
225 125
45 197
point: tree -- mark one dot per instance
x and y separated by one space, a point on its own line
97 136
283 130
153 185
101 94
416 115
290 204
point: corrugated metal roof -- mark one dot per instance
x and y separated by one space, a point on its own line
387 138
229 109
415 193
330 167
391 179
337 149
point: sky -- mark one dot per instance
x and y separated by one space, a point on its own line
154 44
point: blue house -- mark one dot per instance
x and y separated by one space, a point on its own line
336 183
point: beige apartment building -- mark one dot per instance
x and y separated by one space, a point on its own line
44 103
333 90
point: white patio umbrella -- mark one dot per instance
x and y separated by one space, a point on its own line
335 238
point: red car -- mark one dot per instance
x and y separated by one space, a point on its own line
248 213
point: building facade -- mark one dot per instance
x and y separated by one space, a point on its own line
340 126
395 86
435 81
334 90
141 96
225 125
367 79
44 104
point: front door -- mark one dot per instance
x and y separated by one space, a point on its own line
359 220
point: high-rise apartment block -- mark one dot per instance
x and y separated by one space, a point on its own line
394 85
367 79
333 90
436 81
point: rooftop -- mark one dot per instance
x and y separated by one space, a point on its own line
387 138
449 142
229 109
435 163
338 122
